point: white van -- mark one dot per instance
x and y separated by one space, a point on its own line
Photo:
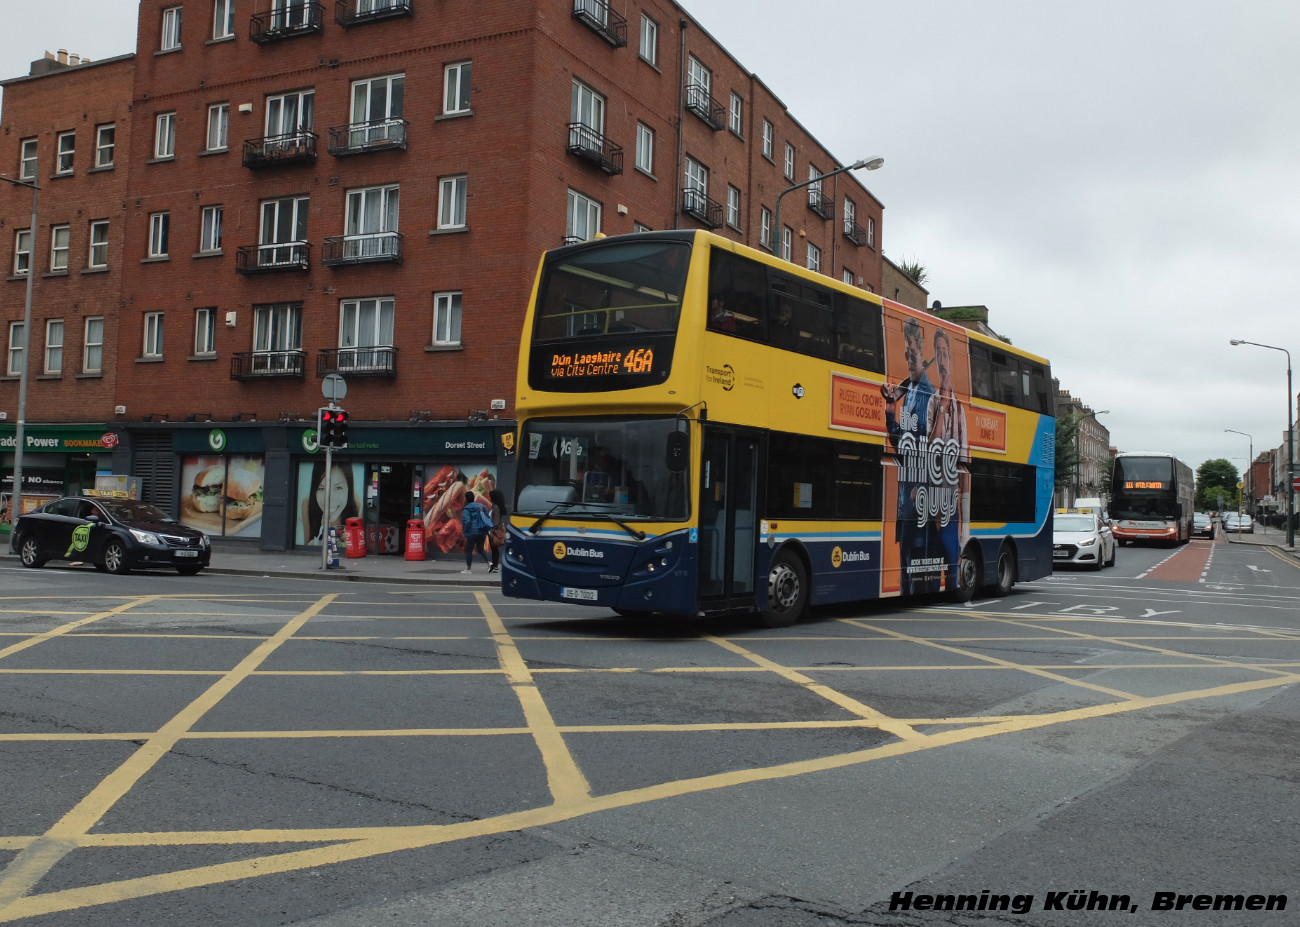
1092 504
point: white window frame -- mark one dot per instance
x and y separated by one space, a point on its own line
649 50
92 345
159 234
370 221
847 277
97 255
377 105
769 133
53 347
453 201
733 206
871 232
290 116
17 348
814 258
765 228
28 158
153 335
447 315
65 152
164 138
223 19
210 222
457 88
814 186
365 323
736 115
105 150
23 242
582 217
645 148
277 335
850 215
205 331
171 29
696 180
699 84
60 239
282 230
587 109
787 242
788 166
218 138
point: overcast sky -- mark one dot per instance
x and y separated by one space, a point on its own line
1118 181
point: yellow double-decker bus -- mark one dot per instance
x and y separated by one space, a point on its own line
706 429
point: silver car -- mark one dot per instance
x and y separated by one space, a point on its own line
1082 538
1234 523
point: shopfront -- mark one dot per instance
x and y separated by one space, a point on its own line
57 460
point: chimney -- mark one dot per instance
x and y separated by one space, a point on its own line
63 56
74 59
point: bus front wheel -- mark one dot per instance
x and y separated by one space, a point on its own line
968 572
787 591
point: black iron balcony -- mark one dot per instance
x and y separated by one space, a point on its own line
590 145
358 362
292 18
374 248
702 207
820 203
273 258
294 148
600 18
356 12
267 365
702 104
361 137
854 232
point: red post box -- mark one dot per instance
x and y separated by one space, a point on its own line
356 538
415 539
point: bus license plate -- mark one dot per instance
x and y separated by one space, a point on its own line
583 595
187 553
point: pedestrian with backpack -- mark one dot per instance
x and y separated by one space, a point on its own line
475 523
497 536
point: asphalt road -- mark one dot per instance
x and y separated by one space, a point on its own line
249 751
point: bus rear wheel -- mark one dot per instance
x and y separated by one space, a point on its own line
968 572
1006 573
787 591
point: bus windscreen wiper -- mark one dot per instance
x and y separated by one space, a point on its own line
639 535
549 512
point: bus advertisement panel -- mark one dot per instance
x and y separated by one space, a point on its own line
706 429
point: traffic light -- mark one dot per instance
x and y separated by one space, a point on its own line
332 427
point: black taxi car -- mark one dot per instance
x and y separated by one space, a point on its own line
116 535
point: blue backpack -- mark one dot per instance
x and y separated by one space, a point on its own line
474 520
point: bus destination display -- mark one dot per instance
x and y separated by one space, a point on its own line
583 365
580 364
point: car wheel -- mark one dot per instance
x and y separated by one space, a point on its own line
968 573
1111 561
191 569
1006 572
115 558
30 553
787 591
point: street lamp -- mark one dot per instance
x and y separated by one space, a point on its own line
870 164
16 497
1250 464
1290 438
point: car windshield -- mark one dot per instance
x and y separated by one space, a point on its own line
1074 523
134 510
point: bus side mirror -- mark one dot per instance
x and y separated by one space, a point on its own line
678 444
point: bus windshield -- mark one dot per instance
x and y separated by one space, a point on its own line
628 287
585 467
1143 488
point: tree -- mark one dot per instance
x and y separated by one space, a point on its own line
1067 449
1216 483
914 271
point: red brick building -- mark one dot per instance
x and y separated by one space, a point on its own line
366 190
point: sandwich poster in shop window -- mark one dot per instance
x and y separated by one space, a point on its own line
443 498
222 495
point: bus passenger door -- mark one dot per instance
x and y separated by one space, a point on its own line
728 509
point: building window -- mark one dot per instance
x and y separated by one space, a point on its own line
370 228
377 106
17 349
789 161
67 147
765 227
22 251
815 187
814 257
767 139
105 142
218 126
446 318
649 40
290 116
737 114
787 242
850 215
456 88
364 325
645 148
54 346
98 244
587 112
92 346
210 228
27 160
164 139
848 276
171 28
277 336
205 330
223 19
639 227
59 238
697 185
583 223
159 229
153 334
452 196
733 207
284 223
699 86
871 232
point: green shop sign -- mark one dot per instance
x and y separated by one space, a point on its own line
60 439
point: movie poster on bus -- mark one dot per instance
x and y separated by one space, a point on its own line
927 397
